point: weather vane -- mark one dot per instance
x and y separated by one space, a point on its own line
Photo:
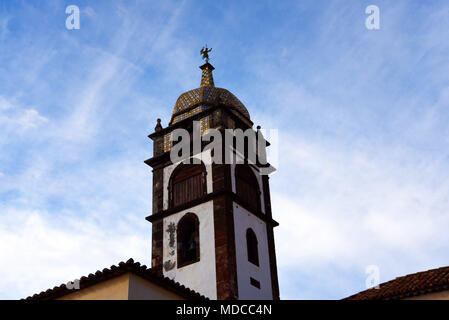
205 52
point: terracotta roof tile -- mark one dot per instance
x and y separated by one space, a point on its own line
411 285
114 271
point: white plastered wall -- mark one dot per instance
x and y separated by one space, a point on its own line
199 276
243 220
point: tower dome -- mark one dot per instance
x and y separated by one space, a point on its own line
200 99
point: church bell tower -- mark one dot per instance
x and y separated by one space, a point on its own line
212 227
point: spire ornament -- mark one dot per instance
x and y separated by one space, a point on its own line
205 52
207 79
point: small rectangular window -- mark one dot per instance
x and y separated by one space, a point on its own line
254 282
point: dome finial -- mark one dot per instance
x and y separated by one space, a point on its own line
207 80
205 52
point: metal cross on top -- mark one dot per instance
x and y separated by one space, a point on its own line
205 52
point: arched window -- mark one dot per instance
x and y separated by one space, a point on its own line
247 187
252 247
188 240
187 183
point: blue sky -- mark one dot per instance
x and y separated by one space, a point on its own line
363 174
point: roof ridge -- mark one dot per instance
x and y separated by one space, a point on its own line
116 270
432 280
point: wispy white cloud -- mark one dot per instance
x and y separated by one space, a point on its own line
31 119
362 118
364 139
55 251
89 11
4 103
77 208
351 208
15 118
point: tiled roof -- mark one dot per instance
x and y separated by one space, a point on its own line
205 96
411 285
199 99
114 271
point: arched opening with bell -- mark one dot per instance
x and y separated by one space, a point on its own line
188 240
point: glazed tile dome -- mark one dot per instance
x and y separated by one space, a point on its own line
205 95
